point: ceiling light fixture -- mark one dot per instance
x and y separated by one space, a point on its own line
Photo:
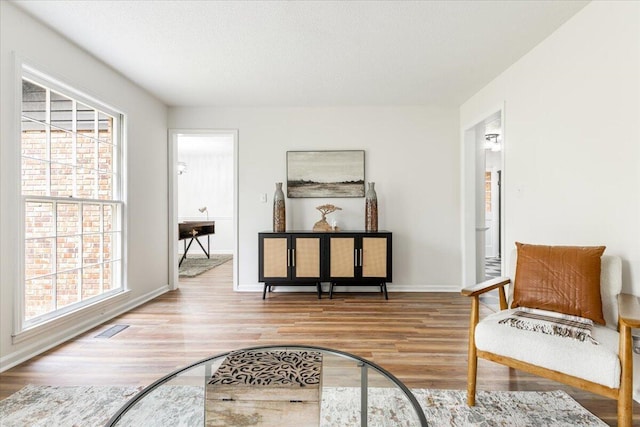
491 142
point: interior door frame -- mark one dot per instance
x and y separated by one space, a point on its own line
173 135
467 181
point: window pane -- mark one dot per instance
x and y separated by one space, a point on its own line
38 257
68 219
108 218
67 288
91 281
34 101
105 157
105 127
38 219
111 244
105 187
86 180
61 111
61 147
91 249
111 274
61 180
86 152
90 218
34 140
68 253
38 297
34 177
85 120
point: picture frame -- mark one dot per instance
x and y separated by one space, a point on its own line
317 174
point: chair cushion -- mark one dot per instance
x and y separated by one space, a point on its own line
582 359
565 279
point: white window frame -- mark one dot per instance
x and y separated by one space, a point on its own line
24 329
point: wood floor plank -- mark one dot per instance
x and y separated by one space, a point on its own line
419 337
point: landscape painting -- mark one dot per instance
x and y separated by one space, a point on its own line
325 173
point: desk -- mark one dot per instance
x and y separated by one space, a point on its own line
192 230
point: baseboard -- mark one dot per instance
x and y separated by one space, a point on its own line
92 317
345 288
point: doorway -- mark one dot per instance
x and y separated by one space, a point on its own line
202 195
492 196
483 201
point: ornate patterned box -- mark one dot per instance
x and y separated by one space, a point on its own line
265 388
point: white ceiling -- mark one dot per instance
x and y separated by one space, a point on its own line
307 53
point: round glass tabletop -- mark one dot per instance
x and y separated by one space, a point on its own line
275 385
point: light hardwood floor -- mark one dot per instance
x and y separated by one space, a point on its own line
419 337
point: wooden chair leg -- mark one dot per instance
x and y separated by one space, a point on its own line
625 394
472 370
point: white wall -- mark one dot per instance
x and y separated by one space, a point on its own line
572 135
410 152
146 207
208 182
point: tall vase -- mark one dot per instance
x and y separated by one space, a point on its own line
279 216
371 208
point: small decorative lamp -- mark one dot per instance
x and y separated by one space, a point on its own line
203 210
182 168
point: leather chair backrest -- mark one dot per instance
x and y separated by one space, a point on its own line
610 285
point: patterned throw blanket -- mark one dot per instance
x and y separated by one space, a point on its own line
551 323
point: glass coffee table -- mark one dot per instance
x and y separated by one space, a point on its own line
349 390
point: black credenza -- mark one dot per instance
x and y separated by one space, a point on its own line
306 258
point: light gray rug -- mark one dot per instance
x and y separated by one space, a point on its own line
195 265
183 406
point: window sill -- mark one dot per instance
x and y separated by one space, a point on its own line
75 319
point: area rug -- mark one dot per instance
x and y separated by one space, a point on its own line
195 265
94 405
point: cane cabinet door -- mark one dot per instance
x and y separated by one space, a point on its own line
342 257
305 256
274 258
374 257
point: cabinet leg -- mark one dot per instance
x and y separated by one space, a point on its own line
384 286
331 290
264 291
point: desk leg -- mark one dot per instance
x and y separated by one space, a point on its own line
186 249
206 252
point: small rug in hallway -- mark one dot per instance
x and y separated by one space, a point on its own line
94 405
193 266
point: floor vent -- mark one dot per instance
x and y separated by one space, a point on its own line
112 331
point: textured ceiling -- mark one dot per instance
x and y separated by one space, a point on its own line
307 53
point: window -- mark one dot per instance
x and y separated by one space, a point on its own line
71 200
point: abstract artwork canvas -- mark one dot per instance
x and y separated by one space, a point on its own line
325 173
